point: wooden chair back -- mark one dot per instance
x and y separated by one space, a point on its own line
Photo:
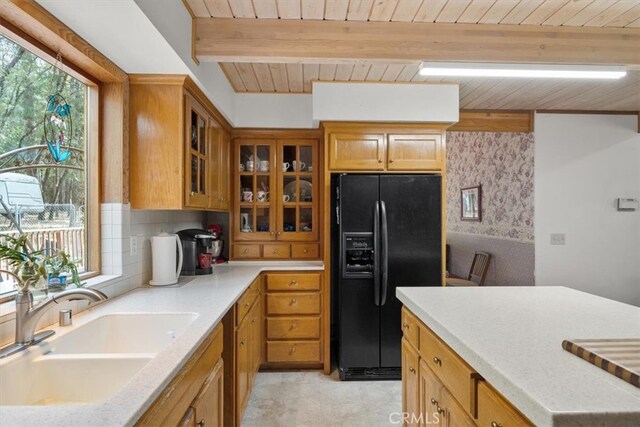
479 267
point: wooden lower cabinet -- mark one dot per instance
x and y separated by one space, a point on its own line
195 393
207 406
293 306
410 383
451 413
429 395
495 410
447 392
243 348
243 368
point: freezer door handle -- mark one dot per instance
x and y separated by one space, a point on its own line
376 254
385 253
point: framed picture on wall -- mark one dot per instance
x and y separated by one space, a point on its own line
471 203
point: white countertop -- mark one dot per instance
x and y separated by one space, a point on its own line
209 296
512 336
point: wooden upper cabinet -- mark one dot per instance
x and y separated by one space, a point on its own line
385 147
276 208
357 151
414 152
220 152
198 155
177 146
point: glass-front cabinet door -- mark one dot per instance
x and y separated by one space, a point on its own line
198 154
298 190
255 185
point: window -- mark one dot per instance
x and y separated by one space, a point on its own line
44 154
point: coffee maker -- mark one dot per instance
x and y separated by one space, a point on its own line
196 247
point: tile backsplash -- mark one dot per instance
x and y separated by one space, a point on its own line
122 269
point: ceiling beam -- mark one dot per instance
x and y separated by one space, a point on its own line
295 41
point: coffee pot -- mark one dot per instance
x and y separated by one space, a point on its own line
197 247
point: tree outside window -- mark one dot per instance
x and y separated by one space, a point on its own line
46 197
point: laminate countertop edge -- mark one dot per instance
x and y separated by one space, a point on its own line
512 336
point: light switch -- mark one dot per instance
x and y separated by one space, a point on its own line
558 238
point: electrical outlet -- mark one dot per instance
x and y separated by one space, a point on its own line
558 239
133 243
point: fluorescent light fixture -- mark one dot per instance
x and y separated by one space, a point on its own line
461 69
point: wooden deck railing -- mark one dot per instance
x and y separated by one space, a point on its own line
71 240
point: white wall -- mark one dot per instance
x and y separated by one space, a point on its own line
274 111
173 21
582 164
375 102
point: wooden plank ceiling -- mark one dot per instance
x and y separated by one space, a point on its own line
475 93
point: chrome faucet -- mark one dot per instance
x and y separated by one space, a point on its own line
28 315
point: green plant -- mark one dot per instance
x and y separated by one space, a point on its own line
29 266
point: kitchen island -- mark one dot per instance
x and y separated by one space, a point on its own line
206 298
511 338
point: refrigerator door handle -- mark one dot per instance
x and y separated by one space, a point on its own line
385 253
376 254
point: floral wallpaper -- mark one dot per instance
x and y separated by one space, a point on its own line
503 164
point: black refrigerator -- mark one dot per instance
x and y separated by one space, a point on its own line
386 233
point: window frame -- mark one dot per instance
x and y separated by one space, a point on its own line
93 126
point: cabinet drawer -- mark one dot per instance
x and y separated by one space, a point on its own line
246 300
305 250
293 351
293 328
493 409
307 303
246 251
293 282
276 251
410 327
454 372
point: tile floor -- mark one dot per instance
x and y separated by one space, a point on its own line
301 399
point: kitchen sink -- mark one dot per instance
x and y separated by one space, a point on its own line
124 333
90 363
51 380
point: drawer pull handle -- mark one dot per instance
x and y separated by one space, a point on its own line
245 251
200 423
434 401
495 424
253 320
293 283
412 370
246 304
405 325
272 233
379 160
440 410
293 326
279 233
306 251
275 252
390 160
293 301
242 342
293 349
437 360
